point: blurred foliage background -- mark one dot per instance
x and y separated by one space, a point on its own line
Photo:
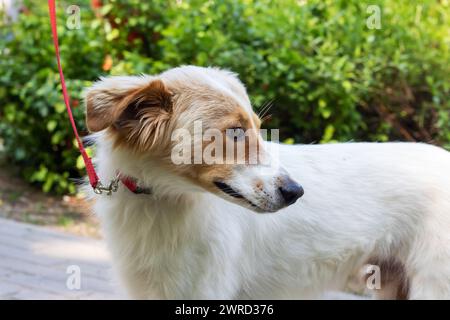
330 76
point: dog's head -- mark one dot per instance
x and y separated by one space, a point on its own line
197 123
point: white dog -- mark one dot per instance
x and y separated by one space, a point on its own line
191 231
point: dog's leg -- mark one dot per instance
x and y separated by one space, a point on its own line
429 263
431 277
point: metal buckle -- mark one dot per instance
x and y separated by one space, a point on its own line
108 190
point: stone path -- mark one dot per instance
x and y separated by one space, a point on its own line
37 263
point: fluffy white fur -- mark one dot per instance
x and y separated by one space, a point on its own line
361 200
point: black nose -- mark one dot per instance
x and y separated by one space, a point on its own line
291 191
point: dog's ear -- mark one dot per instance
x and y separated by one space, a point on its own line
124 102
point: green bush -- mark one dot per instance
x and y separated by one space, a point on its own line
330 77
34 125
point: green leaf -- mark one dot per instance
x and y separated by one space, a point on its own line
51 125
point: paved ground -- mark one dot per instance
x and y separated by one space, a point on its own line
37 263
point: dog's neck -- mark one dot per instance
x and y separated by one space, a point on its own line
147 173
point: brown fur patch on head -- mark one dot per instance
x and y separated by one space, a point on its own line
243 152
138 116
146 116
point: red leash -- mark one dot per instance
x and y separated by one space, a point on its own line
130 183
93 178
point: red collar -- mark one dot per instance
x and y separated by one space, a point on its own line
129 182
132 184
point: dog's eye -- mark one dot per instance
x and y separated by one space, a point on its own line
236 133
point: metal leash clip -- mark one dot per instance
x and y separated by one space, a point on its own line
108 190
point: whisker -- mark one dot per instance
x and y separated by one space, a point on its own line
266 118
266 109
264 106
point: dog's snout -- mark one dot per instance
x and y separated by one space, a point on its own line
291 191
